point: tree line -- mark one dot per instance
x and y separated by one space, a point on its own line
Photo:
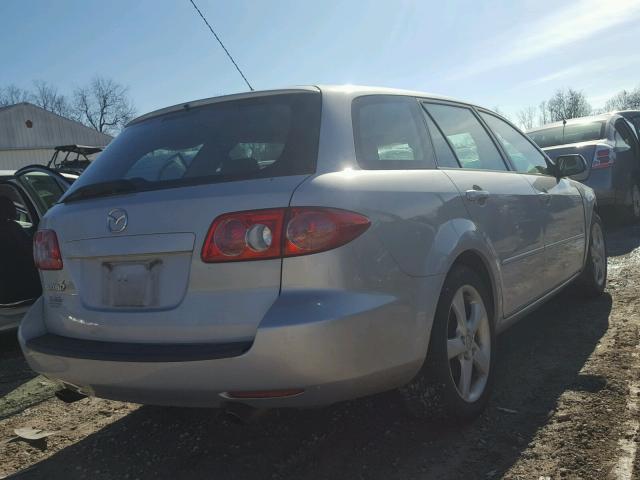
102 104
569 103
105 105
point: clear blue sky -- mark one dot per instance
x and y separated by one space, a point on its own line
507 54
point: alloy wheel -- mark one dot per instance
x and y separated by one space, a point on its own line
469 343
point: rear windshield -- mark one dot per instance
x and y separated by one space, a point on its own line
259 137
570 133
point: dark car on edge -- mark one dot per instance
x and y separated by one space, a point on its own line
25 196
609 144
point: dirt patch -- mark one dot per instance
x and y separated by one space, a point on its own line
559 410
20 387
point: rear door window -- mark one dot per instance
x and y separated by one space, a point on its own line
256 137
444 155
636 123
624 137
389 133
43 189
21 211
468 138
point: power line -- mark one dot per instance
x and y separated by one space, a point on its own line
222 45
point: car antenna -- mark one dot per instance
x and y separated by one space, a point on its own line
222 45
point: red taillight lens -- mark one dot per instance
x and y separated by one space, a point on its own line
602 158
281 232
312 230
46 251
244 236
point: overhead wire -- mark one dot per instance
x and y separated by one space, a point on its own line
222 45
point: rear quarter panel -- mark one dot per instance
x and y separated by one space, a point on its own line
419 226
590 205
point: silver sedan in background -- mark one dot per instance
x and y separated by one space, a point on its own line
305 246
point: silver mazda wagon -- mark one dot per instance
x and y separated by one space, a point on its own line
304 246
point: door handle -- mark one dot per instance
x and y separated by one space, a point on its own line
545 198
477 196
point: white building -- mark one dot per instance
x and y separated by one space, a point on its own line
29 133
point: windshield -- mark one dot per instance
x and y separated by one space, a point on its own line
258 137
573 133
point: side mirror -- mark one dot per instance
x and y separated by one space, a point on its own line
568 165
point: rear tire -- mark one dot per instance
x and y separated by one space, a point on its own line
633 213
593 279
456 379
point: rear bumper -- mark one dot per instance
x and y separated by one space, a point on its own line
341 346
605 198
10 315
9 323
601 181
50 344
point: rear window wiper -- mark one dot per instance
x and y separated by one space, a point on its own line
104 189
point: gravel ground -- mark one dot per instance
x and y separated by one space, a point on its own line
565 405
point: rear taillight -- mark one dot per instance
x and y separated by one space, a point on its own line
603 158
280 232
244 236
312 230
46 251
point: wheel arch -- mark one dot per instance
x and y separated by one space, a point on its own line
474 260
474 249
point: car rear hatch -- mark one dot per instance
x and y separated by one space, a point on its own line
132 228
586 149
583 137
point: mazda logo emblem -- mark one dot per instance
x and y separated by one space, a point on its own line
117 220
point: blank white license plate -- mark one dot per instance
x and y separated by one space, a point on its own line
130 284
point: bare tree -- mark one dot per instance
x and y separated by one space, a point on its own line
623 100
12 94
527 117
566 104
103 105
500 112
46 96
543 117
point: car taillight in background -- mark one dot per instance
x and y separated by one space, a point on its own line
46 251
280 232
603 158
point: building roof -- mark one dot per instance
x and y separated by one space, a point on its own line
25 126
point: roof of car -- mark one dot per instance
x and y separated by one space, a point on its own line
11 173
81 149
345 90
573 121
360 90
623 112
